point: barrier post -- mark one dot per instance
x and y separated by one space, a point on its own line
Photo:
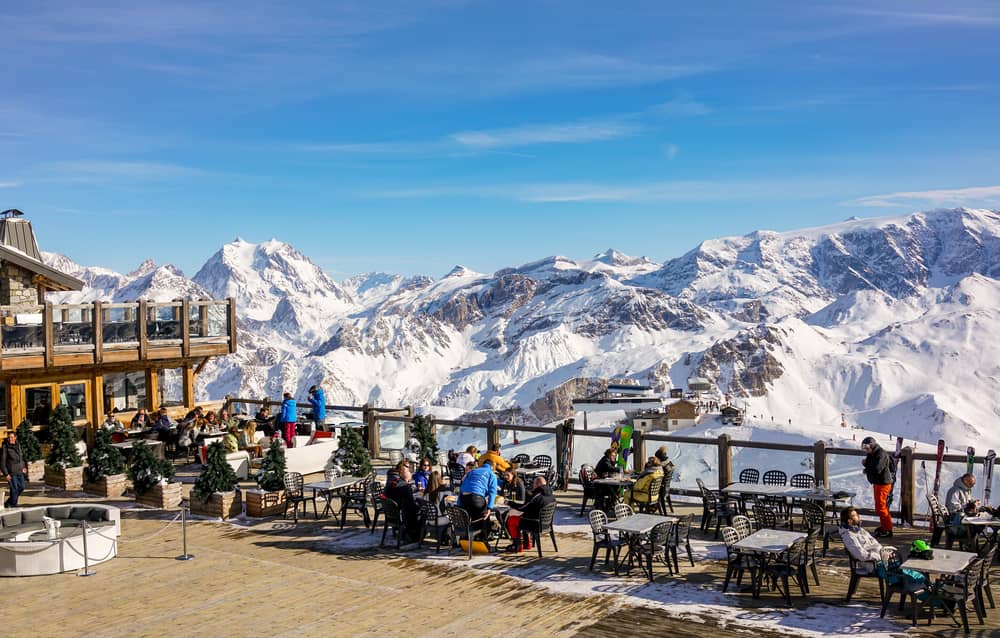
86 556
184 535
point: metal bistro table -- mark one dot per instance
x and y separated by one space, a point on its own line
634 527
610 489
946 562
979 524
824 494
767 544
327 488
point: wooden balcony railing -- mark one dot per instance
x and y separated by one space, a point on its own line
54 335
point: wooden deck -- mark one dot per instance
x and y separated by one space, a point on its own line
273 577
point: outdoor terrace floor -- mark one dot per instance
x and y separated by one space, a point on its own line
269 576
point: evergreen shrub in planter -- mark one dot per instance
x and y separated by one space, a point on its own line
63 466
215 493
269 499
105 471
150 478
32 450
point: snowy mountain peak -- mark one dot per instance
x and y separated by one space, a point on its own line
144 268
460 271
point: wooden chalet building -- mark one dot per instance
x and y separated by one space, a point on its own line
94 356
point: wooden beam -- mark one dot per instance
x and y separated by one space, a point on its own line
14 395
143 338
232 324
201 366
185 320
49 334
187 384
95 405
152 389
725 461
98 331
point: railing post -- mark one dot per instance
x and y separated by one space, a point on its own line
97 321
185 324
638 450
820 467
725 461
47 326
906 474
492 434
374 439
231 320
143 333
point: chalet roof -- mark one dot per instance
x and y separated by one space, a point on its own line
18 246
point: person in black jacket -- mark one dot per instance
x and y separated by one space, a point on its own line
13 467
525 518
401 491
880 472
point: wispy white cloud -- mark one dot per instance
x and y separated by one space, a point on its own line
9 184
970 18
671 151
974 196
567 133
98 171
681 106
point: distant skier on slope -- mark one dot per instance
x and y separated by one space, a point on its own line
880 470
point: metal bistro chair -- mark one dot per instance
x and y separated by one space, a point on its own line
715 507
462 526
791 565
750 476
431 521
521 459
736 561
813 517
590 491
603 539
655 546
988 554
942 522
652 503
538 526
295 495
355 499
743 525
776 477
680 535
801 481
456 473
542 461
963 589
767 517
665 500
622 510
377 501
393 520
892 580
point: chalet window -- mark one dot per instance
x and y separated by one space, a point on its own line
74 396
38 403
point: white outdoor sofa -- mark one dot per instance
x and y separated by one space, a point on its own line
27 550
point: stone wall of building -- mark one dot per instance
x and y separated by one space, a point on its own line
16 287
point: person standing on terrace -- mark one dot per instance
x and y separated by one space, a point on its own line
478 491
13 467
287 419
880 471
317 400
494 455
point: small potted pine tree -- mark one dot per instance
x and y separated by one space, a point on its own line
105 471
214 493
32 450
150 478
269 497
63 467
421 431
352 457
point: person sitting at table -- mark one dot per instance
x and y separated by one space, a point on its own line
423 475
523 519
229 441
608 465
478 491
394 475
265 421
865 548
513 487
210 423
468 456
640 490
225 420
436 490
401 491
111 423
665 463
162 426
494 455
141 420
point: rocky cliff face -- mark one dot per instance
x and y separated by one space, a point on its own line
744 365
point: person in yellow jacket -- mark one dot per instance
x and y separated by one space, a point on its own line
499 464
640 491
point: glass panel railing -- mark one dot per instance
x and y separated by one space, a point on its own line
392 434
22 329
164 321
458 437
120 324
530 443
209 319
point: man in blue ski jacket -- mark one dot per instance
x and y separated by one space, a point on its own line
317 399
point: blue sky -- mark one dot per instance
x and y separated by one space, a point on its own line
412 136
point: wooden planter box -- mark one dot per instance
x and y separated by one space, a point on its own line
36 471
221 505
261 503
109 487
166 497
69 479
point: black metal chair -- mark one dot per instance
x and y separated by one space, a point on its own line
743 525
665 500
807 481
750 476
963 589
378 499
590 491
456 474
714 506
774 477
892 580
433 522
652 503
603 539
355 499
813 517
653 546
736 561
680 536
988 555
542 461
393 519
942 522
791 565
462 526
861 570
767 517
521 459
295 496
538 526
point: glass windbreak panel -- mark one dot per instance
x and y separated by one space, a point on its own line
121 325
588 450
72 326
763 460
392 434
163 322
125 391
692 460
171 387
38 403
3 404
196 323
530 443
74 397
459 437
23 331
216 320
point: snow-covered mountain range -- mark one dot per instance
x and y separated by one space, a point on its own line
886 320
